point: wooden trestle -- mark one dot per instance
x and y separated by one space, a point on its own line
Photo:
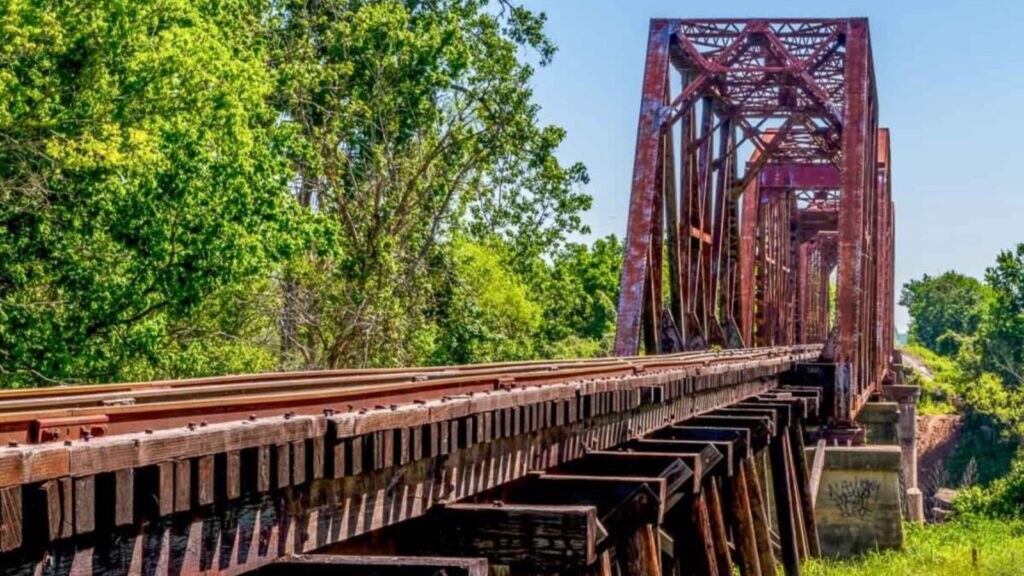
684 471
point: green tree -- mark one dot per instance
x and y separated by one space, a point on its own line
943 309
581 297
412 123
1001 343
138 178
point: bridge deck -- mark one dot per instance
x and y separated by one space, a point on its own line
187 474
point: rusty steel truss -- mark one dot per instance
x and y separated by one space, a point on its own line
753 247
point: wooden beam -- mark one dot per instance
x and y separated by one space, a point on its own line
326 565
672 468
702 460
544 537
784 505
622 503
723 557
741 521
759 512
11 528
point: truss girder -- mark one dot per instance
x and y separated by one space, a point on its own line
752 245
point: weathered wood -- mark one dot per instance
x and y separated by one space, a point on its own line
702 462
604 564
263 468
538 538
233 475
11 525
759 513
182 485
124 497
804 491
691 534
640 556
47 499
672 468
723 557
742 523
784 505
85 504
326 565
803 546
204 480
165 488
298 463
622 503
817 469
281 464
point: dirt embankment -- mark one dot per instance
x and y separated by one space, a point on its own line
937 438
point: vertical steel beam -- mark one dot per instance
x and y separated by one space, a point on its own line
641 204
856 142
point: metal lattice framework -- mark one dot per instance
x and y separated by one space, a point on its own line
751 246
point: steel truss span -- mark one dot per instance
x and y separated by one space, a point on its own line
762 176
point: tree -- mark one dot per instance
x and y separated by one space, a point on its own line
138 179
944 308
583 292
1002 335
412 122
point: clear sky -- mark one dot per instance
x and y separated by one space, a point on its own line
951 88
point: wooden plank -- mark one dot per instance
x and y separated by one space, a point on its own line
742 523
723 557
632 464
318 457
165 488
330 565
622 503
784 504
182 485
801 527
298 463
817 469
204 473
535 537
124 497
641 557
264 471
48 498
759 513
11 525
691 533
30 464
702 462
85 504
233 474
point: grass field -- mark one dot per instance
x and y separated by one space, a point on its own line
960 548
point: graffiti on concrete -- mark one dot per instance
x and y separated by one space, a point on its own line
853 498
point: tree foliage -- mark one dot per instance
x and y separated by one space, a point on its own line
193 187
943 309
138 179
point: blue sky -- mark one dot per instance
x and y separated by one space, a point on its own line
950 78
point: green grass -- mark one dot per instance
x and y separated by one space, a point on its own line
938 391
965 547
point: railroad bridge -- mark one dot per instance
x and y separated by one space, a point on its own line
741 425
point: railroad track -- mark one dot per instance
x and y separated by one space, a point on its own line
331 455
83 412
